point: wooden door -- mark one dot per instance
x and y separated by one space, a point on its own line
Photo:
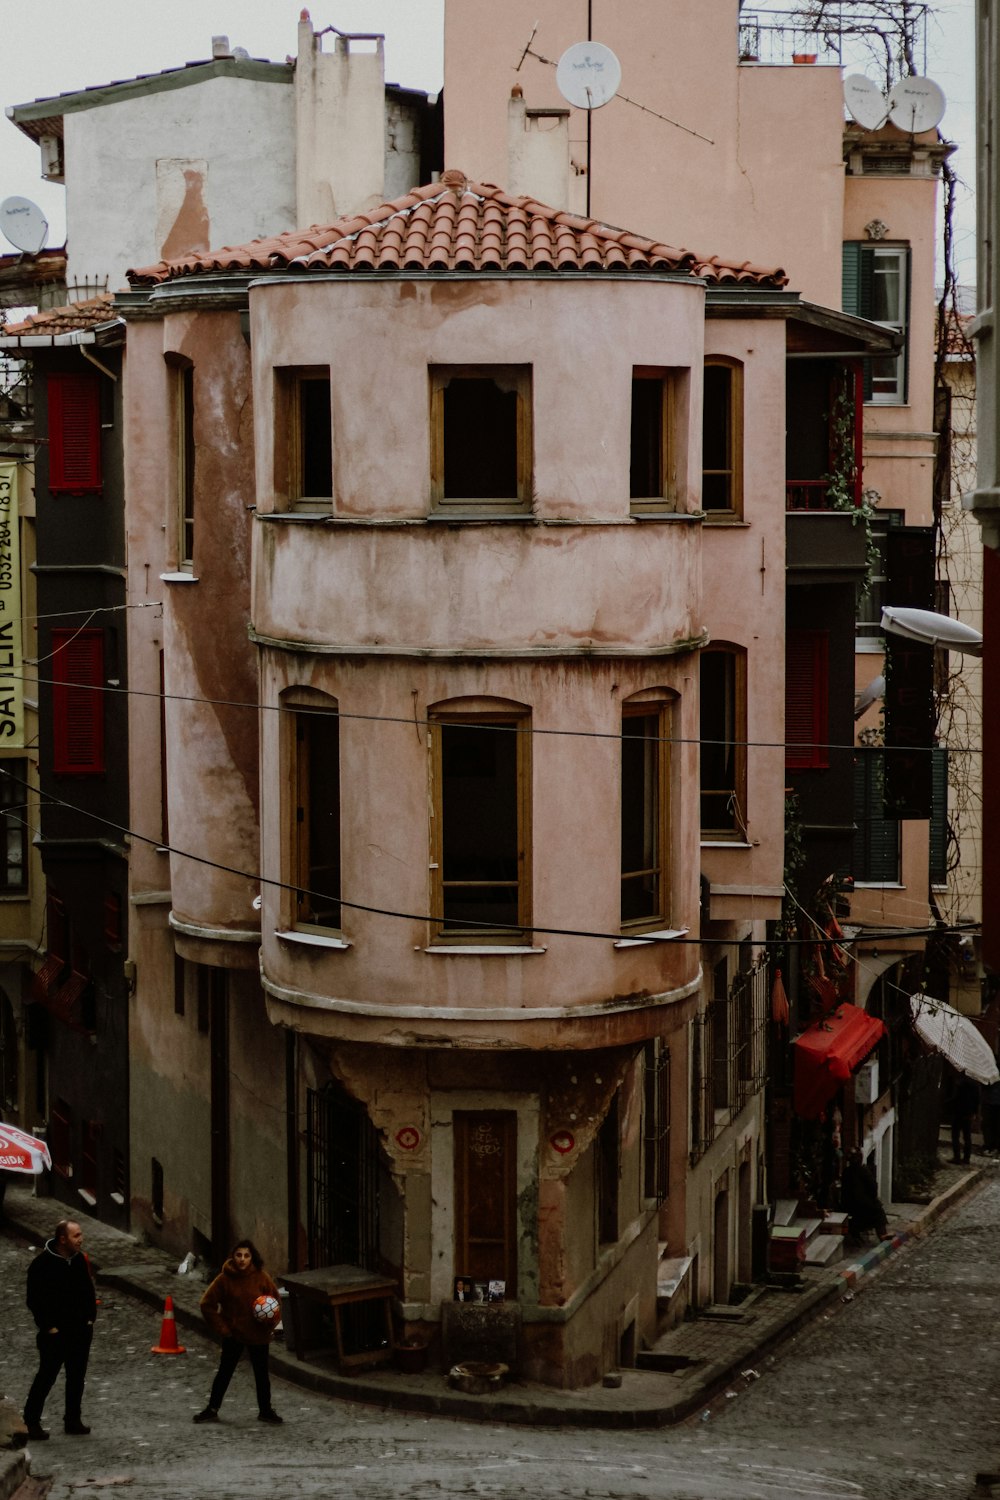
486 1196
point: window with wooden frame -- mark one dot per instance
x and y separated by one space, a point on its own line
723 755
183 376
303 453
314 735
645 805
657 433
481 442
807 700
13 827
722 439
480 841
78 702
485 1157
876 285
74 402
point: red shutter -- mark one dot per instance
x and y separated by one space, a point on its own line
78 702
74 433
806 699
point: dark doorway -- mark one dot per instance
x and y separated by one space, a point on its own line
486 1196
342 1170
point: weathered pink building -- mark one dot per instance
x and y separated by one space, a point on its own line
461 468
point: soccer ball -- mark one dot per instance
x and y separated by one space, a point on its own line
266 1308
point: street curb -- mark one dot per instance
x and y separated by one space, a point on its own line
396 1392
13 1472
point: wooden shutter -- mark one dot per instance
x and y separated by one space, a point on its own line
74 433
78 702
806 699
939 816
857 272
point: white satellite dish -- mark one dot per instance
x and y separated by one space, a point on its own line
865 101
916 104
23 224
932 629
588 74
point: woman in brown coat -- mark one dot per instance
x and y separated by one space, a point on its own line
228 1309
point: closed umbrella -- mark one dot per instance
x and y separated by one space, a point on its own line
21 1152
945 1029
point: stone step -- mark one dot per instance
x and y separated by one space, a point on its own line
825 1250
785 1210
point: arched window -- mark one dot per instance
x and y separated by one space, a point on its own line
645 810
312 739
723 743
722 439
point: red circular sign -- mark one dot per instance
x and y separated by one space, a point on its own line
408 1138
562 1141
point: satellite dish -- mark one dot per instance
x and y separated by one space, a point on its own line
916 104
865 101
588 74
23 224
932 629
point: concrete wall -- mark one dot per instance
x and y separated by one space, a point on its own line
168 173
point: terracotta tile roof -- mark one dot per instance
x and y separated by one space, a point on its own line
457 225
67 319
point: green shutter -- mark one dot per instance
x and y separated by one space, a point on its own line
876 837
939 817
857 270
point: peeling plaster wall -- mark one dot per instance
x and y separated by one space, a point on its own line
208 190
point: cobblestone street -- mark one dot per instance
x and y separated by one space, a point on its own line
894 1396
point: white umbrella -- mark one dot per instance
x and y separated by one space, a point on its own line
21 1152
954 1036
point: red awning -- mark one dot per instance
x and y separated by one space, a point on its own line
828 1053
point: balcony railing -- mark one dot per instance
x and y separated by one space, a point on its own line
825 31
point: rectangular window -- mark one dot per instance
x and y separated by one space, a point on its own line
722 1091
645 756
185 466
13 826
807 699
78 702
868 616
303 458
74 433
656 1115
480 864
156 1189
722 440
875 855
657 430
481 438
876 286
90 1135
180 985
723 744
485 1143
317 818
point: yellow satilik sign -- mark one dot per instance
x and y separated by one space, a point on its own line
11 673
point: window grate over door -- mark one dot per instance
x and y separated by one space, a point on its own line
342 1169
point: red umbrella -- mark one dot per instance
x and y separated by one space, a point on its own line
21 1152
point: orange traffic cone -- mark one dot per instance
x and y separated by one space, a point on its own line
168 1332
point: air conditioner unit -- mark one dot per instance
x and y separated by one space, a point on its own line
866 1083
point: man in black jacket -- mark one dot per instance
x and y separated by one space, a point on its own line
62 1302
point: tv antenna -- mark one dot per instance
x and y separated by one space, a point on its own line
588 75
23 224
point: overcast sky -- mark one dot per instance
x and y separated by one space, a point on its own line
55 46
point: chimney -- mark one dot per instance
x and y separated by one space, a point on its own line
220 47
